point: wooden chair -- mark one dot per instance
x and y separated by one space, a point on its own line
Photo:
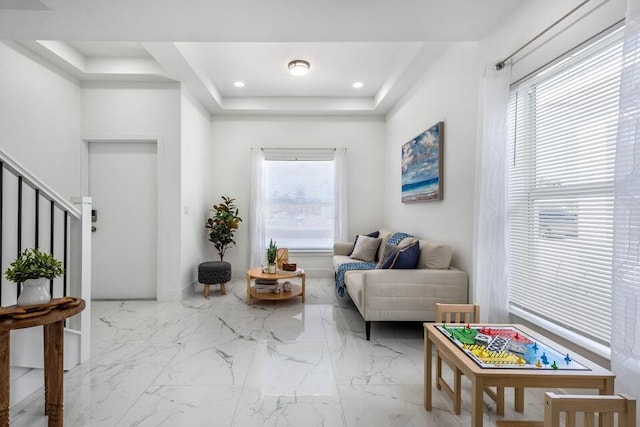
589 405
461 313
606 406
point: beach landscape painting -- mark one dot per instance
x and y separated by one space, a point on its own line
422 166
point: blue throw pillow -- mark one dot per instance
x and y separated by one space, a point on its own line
407 258
388 262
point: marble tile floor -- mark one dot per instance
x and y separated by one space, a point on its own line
220 362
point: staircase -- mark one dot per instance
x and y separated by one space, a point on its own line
32 215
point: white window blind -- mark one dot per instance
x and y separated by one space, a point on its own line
299 198
562 128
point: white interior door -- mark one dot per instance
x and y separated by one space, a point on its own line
123 187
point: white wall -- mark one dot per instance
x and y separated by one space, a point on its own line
363 137
197 180
121 111
40 119
448 92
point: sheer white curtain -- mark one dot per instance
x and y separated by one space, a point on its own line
341 222
256 236
490 254
625 333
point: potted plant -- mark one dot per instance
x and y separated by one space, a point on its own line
33 268
272 253
223 224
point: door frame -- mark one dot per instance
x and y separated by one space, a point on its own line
160 184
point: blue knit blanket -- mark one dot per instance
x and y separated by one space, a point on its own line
394 240
343 268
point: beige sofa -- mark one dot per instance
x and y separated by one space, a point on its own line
403 295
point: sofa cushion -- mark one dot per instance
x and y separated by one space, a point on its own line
434 255
407 241
366 248
406 258
384 235
338 260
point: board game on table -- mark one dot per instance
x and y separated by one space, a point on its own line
507 347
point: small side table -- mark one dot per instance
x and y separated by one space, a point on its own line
296 290
53 325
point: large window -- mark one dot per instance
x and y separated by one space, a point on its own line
563 124
300 203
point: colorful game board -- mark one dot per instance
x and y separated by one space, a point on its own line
507 347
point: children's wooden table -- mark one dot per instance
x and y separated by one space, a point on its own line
587 376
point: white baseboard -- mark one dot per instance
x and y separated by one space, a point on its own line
171 295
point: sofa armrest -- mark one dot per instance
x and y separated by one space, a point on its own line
342 248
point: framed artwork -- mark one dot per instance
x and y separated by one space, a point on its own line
422 166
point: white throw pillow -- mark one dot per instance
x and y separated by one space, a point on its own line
366 248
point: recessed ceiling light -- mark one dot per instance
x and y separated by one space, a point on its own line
238 84
357 85
298 67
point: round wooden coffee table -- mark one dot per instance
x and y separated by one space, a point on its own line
256 273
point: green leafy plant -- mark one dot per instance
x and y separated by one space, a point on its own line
34 264
222 225
272 252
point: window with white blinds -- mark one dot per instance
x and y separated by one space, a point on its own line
562 129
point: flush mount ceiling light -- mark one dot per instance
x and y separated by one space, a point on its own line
298 67
238 84
357 85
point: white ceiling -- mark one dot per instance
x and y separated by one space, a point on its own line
209 44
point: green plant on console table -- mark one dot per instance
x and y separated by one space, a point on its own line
223 224
34 264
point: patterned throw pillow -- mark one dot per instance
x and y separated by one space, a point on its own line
366 248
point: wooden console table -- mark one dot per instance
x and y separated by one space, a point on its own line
53 325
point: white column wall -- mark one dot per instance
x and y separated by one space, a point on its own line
197 182
363 137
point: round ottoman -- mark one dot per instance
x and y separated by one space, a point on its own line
214 272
